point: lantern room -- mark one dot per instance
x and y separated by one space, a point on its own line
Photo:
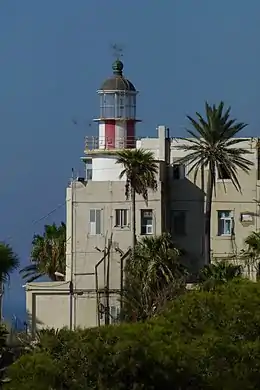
117 116
116 126
117 96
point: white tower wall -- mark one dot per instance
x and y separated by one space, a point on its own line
105 169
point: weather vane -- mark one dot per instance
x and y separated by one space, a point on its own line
117 50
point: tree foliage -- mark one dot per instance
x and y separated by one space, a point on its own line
140 170
250 255
213 147
202 340
8 353
153 276
48 254
218 273
9 262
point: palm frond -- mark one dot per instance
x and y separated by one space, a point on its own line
28 268
153 275
251 253
48 253
221 272
140 168
212 144
32 277
9 261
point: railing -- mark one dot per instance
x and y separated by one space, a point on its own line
104 143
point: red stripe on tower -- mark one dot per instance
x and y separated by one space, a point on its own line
130 134
110 134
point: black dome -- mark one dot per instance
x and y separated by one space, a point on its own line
117 82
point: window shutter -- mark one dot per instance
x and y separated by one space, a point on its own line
118 220
98 221
92 215
92 222
124 217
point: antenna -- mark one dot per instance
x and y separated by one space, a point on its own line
117 50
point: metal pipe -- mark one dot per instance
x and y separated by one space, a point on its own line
71 285
97 288
123 257
71 303
121 287
97 295
107 312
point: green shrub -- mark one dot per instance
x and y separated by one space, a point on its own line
204 340
34 371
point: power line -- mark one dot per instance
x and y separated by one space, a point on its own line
48 214
40 219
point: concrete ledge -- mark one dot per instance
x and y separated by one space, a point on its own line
48 286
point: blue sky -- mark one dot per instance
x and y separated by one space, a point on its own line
55 54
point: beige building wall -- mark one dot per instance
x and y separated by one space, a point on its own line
242 206
87 249
44 301
178 206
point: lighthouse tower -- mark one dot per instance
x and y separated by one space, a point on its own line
116 124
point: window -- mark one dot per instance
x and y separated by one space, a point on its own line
178 171
89 169
179 222
121 218
146 222
95 221
225 223
89 174
114 313
223 174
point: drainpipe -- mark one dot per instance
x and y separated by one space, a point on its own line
71 285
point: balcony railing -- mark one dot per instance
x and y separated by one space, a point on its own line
106 143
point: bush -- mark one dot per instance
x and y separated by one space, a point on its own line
204 340
34 371
217 273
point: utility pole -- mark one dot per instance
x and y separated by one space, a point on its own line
105 260
71 284
107 288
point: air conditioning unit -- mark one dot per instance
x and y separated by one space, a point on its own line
80 179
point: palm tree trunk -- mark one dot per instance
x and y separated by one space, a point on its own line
1 299
133 219
207 242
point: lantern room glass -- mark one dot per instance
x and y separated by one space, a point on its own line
118 105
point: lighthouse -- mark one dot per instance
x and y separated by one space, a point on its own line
116 124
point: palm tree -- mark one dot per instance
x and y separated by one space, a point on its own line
157 261
48 254
251 254
9 262
154 275
140 170
221 272
213 146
